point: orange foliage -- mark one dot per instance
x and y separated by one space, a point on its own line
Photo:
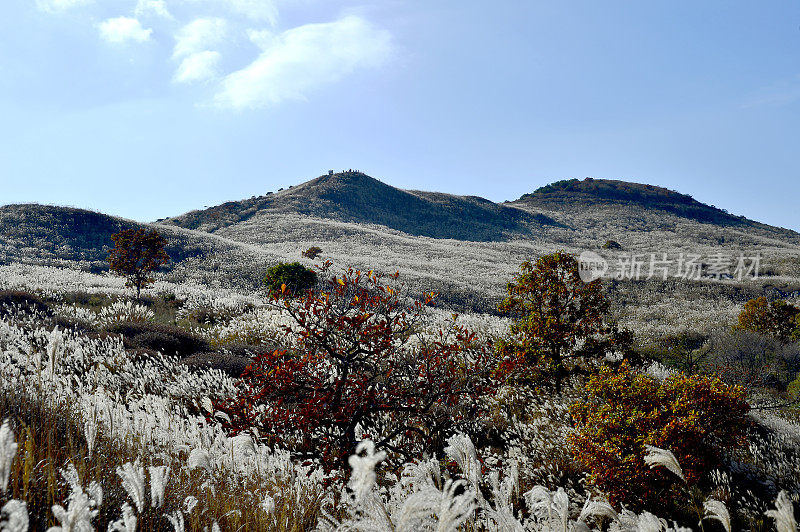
696 417
777 318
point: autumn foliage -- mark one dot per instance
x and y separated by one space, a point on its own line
355 367
696 417
136 254
777 318
560 321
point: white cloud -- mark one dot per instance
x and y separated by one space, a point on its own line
199 36
122 29
302 58
58 6
194 45
262 10
198 67
256 10
156 8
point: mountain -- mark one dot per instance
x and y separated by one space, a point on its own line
463 247
358 198
608 193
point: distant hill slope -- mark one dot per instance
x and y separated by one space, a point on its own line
634 207
357 198
53 235
63 233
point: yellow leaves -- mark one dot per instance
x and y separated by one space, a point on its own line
283 288
340 281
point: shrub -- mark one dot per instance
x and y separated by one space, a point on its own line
25 301
560 321
612 244
168 339
312 252
696 418
290 278
357 370
778 318
231 364
753 359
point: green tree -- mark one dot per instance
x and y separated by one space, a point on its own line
136 254
290 278
560 320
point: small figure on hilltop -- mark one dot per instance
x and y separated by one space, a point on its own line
135 255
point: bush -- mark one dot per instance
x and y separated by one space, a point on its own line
291 278
752 359
778 318
357 370
312 252
231 364
24 301
168 339
124 311
697 418
612 244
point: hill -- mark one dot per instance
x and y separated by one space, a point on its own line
463 247
358 198
79 238
608 192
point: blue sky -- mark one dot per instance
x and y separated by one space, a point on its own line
150 108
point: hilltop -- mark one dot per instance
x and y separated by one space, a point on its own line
355 197
608 192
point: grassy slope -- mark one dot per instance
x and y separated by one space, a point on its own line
359 221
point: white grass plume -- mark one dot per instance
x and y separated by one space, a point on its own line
15 516
159 476
81 508
657 457
783 514
363 477
8 450
717 510
127 523
132 475
176 519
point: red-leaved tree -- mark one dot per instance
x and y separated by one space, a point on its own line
357 366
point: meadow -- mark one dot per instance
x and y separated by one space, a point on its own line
118 430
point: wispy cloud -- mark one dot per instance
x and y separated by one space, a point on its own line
123 29
260 10
195 46
58 6
297 60
157 8
199 66
199 35
255 10
778 94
